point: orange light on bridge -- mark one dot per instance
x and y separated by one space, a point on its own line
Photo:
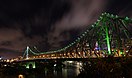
53 55
7 60
43 55
12 60
112 49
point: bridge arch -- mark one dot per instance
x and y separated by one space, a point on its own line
30 65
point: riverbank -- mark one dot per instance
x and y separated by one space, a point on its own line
107 68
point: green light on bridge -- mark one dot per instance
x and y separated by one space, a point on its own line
121 52
32 65
107 39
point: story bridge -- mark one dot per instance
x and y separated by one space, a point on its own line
109 35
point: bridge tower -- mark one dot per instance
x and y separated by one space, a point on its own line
26 53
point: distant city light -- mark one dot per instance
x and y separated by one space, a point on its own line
5 65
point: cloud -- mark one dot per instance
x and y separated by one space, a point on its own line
82 14
16 40
23 24
51 24
126 11
9 53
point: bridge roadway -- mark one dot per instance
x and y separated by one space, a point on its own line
73 59
65 61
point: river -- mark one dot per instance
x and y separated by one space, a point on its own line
65 72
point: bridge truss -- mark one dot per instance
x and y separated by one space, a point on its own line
109 35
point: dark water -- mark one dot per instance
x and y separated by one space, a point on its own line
65 72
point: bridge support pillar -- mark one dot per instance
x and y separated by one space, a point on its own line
30 65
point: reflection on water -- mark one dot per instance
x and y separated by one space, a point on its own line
20 76
65 72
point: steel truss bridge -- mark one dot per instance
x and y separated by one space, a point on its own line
109 35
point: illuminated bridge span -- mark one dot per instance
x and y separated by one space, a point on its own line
109 35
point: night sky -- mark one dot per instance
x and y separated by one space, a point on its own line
50 24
